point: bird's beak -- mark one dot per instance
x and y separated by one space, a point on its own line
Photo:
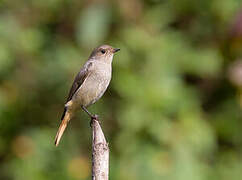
116 50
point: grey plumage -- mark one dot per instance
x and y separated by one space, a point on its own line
89 84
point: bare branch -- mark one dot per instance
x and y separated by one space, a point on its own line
100 153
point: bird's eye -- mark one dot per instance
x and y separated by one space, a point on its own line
103 51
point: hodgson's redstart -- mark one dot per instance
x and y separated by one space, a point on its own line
89 85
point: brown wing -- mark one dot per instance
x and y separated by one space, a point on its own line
79 79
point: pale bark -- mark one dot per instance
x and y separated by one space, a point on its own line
100 153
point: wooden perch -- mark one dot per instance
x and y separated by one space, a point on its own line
100 153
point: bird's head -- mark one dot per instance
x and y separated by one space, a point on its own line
103 53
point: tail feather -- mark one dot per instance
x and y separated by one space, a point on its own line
64 122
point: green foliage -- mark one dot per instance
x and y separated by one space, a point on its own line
172 110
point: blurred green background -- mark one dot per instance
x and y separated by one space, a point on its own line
172 110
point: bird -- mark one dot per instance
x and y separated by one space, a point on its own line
89 85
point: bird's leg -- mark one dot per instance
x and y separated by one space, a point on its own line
93 117
89 114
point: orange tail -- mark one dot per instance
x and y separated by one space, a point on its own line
62 127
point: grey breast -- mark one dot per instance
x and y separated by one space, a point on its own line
95 84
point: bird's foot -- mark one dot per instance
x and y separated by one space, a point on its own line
94 118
